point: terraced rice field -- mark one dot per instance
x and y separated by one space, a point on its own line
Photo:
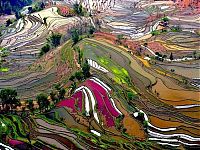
43 132
102 107
114 52
179 41
25 43
42 74
70 103
180 97
141 90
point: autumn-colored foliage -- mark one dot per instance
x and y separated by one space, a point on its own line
156 46
63 10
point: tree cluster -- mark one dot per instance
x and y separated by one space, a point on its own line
75 35
57 94
131 96
160 57
91 29
176 29
165 21
44 49
43 102
38 6
53 41
78 9
8 99
119 39
80 75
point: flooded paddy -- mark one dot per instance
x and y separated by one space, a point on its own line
181 97
187 70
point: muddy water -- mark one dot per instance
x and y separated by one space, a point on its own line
180 102
181 127
166 123
187 72
192 114
170 83
177 96
163 123
133 127
186 131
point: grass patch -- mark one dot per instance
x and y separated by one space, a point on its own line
67 53
4 69
103 60
131 95
158 32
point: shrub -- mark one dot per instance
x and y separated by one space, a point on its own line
141 116
80 54
78 9
63 11
171 57
119 38
176 29
91 30
145 124
44 49
4 52
86 70
61 94
130 95
165 19
75 36
124 130
79 75
42 100
72 78
8 22
54 39
155 32
38 6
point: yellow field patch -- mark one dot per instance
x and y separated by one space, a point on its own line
145 62
163 73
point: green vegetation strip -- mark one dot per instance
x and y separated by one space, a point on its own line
4 69
67 53
121 74
12 125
